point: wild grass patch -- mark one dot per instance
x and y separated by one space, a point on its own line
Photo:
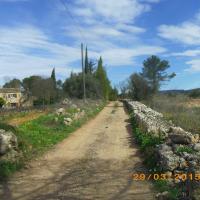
37 136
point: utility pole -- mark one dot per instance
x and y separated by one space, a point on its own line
83 71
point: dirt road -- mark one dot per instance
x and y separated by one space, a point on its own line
95 162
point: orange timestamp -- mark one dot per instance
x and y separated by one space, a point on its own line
157 176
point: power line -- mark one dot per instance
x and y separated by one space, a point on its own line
73 18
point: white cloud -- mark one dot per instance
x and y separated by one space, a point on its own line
194 65
188 53
107 27
186 33
27 50
118 11
125 56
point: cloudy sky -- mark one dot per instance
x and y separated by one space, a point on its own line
37 35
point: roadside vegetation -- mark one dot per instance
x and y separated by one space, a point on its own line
39 135
147 144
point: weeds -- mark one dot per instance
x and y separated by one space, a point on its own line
175 109
185 149
37 136
147 144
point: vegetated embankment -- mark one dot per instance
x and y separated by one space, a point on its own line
169 150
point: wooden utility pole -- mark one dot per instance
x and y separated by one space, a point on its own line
83 71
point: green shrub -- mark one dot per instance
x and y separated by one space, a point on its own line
162 186
2 102
184 149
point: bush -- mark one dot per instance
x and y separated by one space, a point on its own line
195 93
138 86
73 86
2 102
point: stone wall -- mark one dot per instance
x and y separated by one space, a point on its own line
180 149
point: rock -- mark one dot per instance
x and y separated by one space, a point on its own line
60 111
66 101
183 163
168 161
8 146
196 147
164 148
68 121
8 141
196 138
163 196
179 136
74 106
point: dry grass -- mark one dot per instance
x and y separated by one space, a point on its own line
16 121
180 109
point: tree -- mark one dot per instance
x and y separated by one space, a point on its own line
91 67
28 84
195 93
73 86
113 94
2 102
15 83
154 71
44 91
86 61
102 77
53 76
138 87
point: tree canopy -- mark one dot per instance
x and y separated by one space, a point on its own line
154 71
15 83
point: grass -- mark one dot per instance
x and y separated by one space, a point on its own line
37 136
176 109
185 149
162 186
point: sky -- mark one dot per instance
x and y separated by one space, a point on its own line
38 35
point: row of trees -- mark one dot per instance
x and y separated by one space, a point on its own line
50 90
96 81
141 86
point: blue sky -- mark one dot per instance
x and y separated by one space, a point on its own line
37 35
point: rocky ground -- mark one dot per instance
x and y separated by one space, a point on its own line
95 162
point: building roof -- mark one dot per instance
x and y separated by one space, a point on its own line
10 90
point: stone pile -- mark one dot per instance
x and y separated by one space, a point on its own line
69 118
8 146
180 150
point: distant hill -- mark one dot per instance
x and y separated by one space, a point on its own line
179 91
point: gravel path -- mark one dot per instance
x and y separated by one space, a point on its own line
95 162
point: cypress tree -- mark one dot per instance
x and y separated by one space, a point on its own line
86 61
53 76
102 77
